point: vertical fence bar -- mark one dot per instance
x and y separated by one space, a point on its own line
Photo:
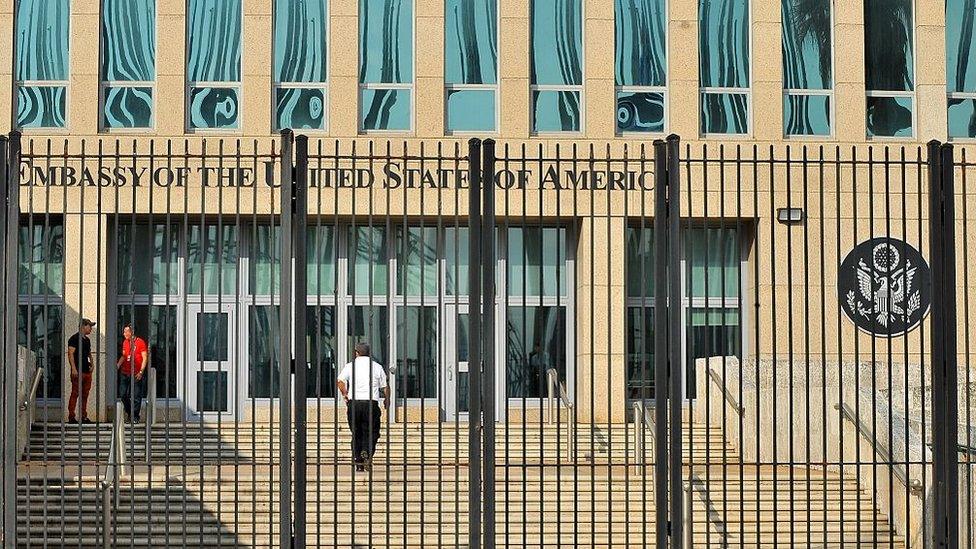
488 264
12 165
660 343
300 297
284 340
944 359
674 341
474 345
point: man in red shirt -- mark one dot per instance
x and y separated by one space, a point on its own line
132 365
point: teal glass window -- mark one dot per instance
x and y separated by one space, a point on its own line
536 262
211 259
366 254
556 52
640 64
263 358
300 64
128 70
213 64
147 259
711 300
40 329
157 324
41 65
41 263
889 32
386 65
724 66
417 351
264 259
471 64
535 343
961 67
417 265
807 67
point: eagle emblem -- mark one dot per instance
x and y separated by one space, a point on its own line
884 286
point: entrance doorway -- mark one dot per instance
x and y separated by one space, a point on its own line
456 373
211 362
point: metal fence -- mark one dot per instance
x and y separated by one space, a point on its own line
620 345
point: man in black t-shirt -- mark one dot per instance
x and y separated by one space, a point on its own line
80 360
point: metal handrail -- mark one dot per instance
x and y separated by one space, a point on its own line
725 392
913 485
150 409
32 394
113 470
644 418
558 395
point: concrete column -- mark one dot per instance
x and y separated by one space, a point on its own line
767 70
429 72
513 68
7 67
683 83
171 68
83 68
86 296
601 373
849 81
256 63
599 96
930 72
343 68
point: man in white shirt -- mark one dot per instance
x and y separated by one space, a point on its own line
362 384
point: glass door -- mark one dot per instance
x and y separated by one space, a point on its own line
211 361
456 364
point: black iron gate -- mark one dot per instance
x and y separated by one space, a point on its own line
630 345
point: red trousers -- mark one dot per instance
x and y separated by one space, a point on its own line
86 380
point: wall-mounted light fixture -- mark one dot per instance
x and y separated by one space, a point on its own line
789 216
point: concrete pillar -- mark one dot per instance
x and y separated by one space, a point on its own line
171 67
683 84
83 68
930 72
601 373
343 68
599 95
849 80
7 67
767 70
429 70
256 66
513 68
86 296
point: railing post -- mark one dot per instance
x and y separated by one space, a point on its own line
475 338
675 361
299 298
660 343
11 204
945 421
488 265
284 343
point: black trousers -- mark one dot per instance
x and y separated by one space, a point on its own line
130 393
364 422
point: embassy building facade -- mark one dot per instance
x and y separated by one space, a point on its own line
151 171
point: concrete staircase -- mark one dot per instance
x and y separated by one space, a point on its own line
223 492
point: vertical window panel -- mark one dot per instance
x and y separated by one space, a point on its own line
536 262
211 262
320 380
417 267
263 359
41 264
366 253
213 67
961 67
556 52
40 328
807 66
535 343
724 60
369 324
158 325
417 352
471 42
300 63
889 31
147 259
41 65
385 64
